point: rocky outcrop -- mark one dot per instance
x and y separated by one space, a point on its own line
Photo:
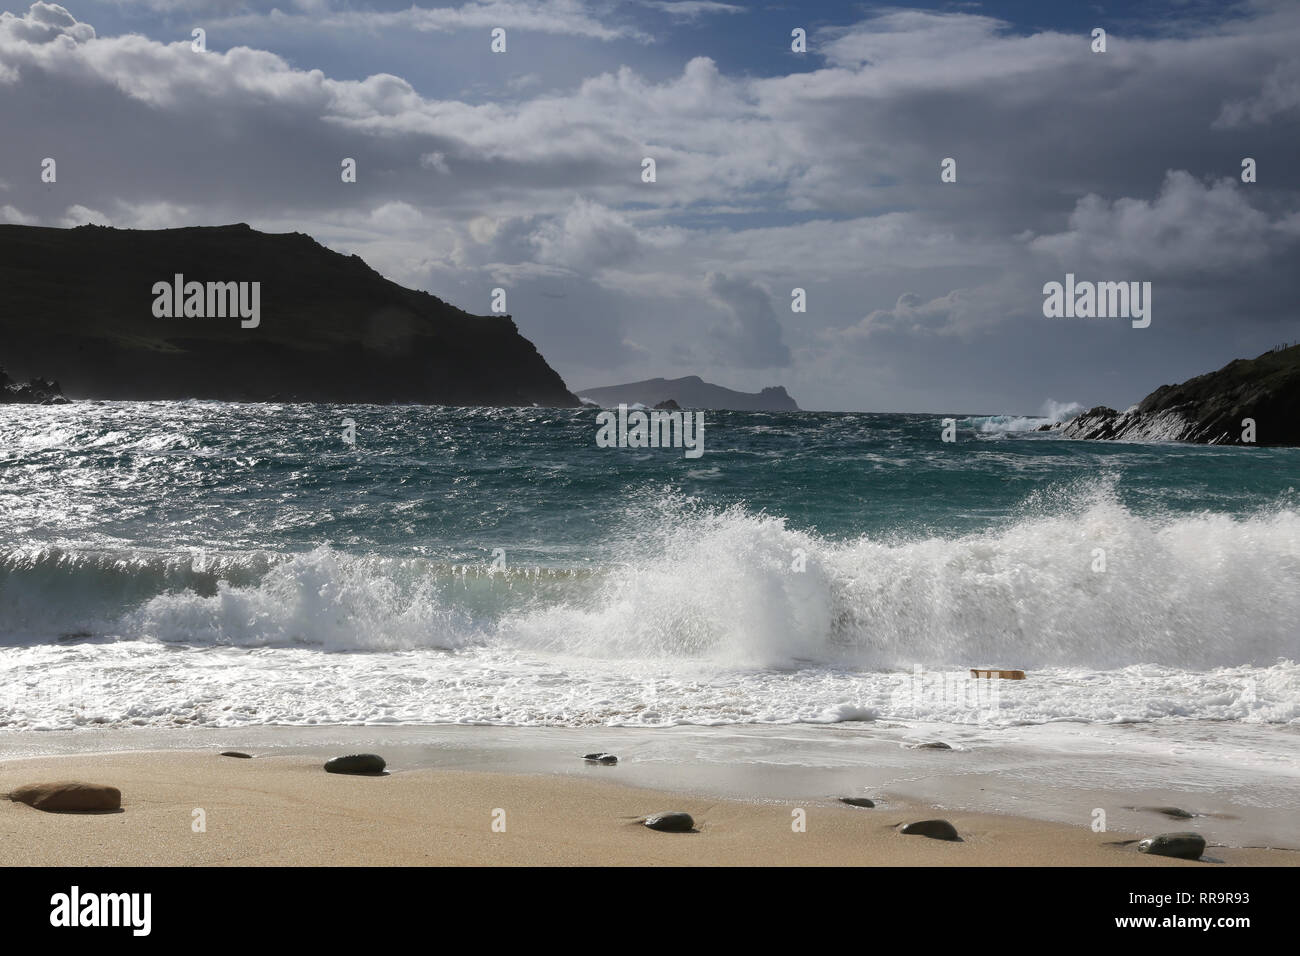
84 305
1211 409
38 391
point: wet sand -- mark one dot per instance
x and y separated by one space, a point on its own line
284 809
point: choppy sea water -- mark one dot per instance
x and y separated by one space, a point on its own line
211 564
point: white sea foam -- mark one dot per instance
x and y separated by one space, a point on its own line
1051 413
698 616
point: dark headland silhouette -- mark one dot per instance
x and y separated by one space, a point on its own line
78 306
690 392
1210 409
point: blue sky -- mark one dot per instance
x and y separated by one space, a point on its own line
776 171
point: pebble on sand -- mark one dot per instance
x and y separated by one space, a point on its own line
858 801
934 829
674 821
236 753
1184 846
933 745
600 758
68 797
356 763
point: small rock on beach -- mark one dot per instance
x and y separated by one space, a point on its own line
674 821
68 797
934 829
858 801
356 763
600 758
236 753
1183 846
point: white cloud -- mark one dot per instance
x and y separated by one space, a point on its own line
78 215
559 17
588 238
1190 227
911 315
45 23
691 10
11 215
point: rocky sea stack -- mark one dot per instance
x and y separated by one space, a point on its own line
1211 409
82 305
38 391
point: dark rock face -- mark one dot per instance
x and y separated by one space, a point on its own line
691 392
674 821
668 406
1209 409
1184 846
69 797
934 829
356 763
38 391
79 304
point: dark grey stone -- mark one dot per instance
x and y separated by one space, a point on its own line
356 763
1184 846
673 821
934 829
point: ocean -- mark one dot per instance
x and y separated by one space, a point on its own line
204 564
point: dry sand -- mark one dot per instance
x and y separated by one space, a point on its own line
285 810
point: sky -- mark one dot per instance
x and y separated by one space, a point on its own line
775 170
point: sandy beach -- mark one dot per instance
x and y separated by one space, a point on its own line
198 808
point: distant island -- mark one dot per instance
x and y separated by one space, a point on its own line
690 392
229 313
1211 409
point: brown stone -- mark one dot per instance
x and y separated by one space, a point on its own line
68 797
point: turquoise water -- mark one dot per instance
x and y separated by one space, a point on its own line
452 482
485 563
